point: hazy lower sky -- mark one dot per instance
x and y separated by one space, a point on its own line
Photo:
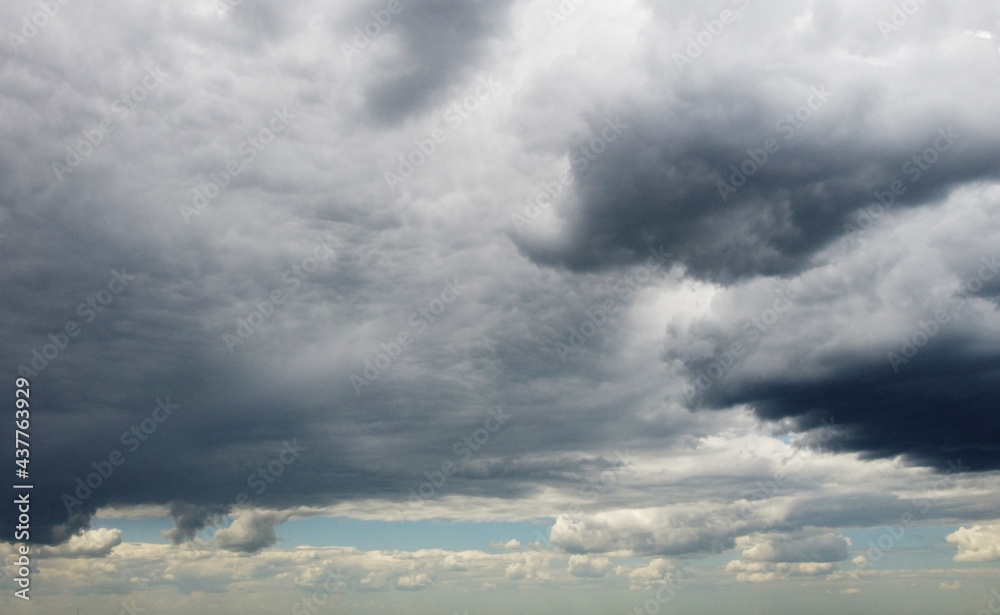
539 307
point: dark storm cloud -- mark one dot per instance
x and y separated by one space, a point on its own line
660 184
287 385
894 346
189 520
161 336
742 171
941 412
160 340
752 156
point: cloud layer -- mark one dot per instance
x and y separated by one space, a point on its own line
679 279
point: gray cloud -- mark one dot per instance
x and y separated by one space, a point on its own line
758 79
190 519
438 42
887 341
785 548
249 533
654 187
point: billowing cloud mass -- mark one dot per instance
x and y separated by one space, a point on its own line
790 548
584 566
658 573
775 557
413 582
905 329
251 531
979 543
621 294
91 543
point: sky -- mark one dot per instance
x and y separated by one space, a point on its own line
523 306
